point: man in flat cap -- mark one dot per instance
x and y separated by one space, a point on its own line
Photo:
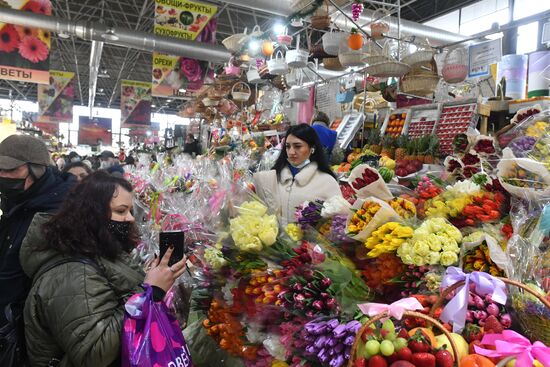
28 185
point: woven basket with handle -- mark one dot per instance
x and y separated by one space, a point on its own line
434 322
535 325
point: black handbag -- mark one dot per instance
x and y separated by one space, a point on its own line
12 338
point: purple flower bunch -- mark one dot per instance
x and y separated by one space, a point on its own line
522 146
309 213
330 341
338 229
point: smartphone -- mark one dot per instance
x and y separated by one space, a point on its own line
172 238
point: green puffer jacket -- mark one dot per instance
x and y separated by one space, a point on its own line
72 313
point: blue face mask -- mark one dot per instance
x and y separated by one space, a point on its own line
302 165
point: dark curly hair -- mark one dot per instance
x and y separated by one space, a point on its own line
80 226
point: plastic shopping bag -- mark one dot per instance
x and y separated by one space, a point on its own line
151 335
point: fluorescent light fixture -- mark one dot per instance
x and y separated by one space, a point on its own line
168 100
279 28
495 36
63 35
254 46
103 73
545 38
153 105
110 35
182 90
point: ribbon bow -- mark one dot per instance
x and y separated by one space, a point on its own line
510 343
485 284
396 309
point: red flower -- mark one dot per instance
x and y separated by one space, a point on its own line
34 50
8 38
25 31
39 6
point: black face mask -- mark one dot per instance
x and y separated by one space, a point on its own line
120 230
12 187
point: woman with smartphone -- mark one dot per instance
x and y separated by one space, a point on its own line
79 260
301 173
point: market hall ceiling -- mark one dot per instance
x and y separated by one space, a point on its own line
73 54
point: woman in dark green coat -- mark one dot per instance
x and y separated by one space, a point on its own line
82 274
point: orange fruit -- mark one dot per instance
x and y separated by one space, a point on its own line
428 334
355 41
267 48
475 360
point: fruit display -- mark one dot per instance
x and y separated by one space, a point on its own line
453 120
422 122
406 167
395 124
386 173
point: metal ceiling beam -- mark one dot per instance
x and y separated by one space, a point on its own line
126 37
282 8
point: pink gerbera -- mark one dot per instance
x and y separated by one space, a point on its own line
9 39
39 6
34 50
24 31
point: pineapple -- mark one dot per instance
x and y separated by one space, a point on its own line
401 145
388 147
423 145
433 149
374 138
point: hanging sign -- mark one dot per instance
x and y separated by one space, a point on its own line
135 103
55 100
482 55
25 51
187 20
94 131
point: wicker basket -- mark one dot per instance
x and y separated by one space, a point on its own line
419 57
351 59
333 63
320 22
378 317
388 69
419 85
534 325
232 43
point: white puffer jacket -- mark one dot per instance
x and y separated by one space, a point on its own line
285 195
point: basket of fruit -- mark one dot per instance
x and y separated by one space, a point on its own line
380 343
535 324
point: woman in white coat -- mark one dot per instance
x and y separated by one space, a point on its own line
301 173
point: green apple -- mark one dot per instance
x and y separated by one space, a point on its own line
461 344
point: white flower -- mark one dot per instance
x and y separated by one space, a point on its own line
334 206
465 187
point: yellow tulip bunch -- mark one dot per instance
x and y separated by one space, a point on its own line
362 217
387 238
253 229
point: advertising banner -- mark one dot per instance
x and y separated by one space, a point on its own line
94 131
135 103
55 101
25 51
187 20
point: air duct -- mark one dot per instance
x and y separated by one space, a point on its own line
95 60
435 36
93 31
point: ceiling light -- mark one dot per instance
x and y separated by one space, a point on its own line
297 22
103 73
110 35
168 100
153 105
182 90
254 46
279 28
63 35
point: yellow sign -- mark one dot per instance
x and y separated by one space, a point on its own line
181 18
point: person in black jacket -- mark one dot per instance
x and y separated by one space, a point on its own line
28 185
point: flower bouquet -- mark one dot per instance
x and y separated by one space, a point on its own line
368 215
366 181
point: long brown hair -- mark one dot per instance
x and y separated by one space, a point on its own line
80 226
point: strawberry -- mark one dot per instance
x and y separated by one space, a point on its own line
472 332
444 358
492 325
404 354
423 360
418 343
361 362
378 361
403 334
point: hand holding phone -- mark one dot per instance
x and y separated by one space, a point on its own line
175 239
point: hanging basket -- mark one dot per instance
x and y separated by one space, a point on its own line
331 41
253 76
372 320
535 325
388 69
421 85
298 94
297 58
207 102
417 58
379 28
277 65
233 42
455 69
284 40
320 22
333 63
241 92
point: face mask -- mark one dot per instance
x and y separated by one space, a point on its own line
302 165
120 230
11 187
